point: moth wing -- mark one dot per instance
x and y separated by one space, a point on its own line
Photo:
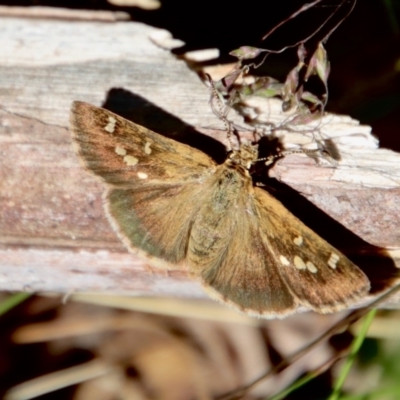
128 155
229 253
156 220
156 182
317 274
252 253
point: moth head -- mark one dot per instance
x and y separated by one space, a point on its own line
245 156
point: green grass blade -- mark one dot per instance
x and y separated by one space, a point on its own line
12 301
355 347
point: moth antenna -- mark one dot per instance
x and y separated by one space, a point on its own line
269 160
221 112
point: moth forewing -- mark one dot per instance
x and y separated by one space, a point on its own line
317 274
125 154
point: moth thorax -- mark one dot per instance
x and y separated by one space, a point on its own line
245 156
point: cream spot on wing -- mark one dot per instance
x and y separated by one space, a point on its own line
147 148
130 160
311 267
284 260
298 240
142 175
299 263
333 260
120 151
110 127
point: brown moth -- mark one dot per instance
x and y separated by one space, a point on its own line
175 205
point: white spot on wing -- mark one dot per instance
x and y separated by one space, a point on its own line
299 263
130 160
147 148
284 260
120 151
110 127
333 260
311 267
142 175
298 240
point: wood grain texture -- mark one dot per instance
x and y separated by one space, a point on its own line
54 235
